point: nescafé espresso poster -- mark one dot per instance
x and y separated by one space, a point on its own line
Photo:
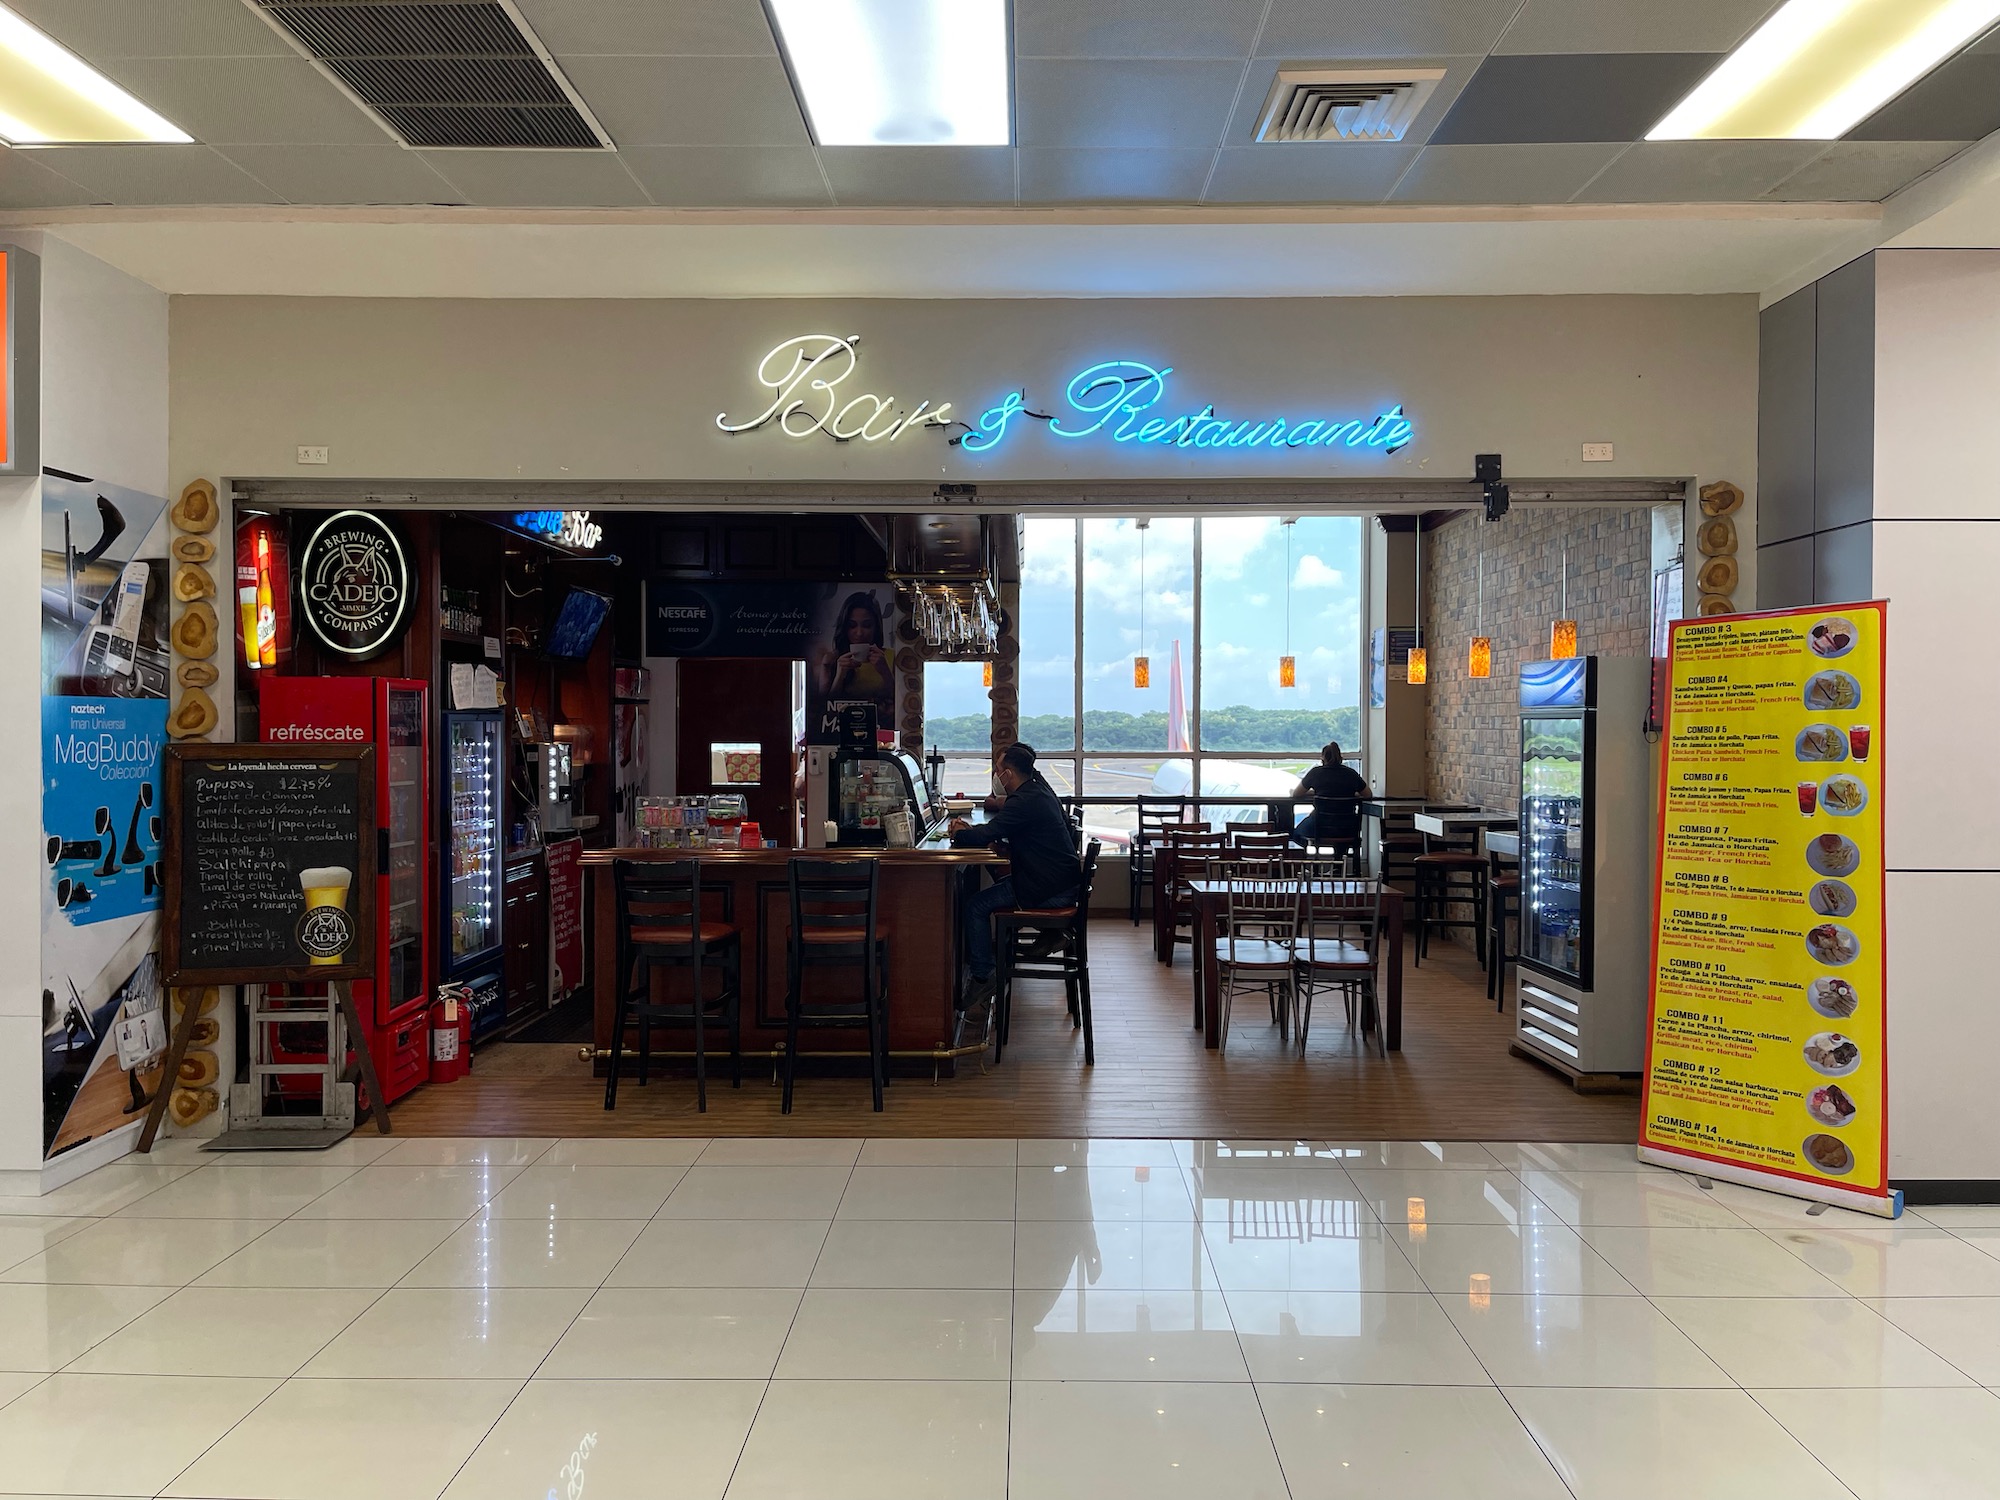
1764 1059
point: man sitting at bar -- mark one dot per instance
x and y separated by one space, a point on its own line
1044 870
1336 790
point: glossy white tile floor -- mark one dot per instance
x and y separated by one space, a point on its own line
922 1320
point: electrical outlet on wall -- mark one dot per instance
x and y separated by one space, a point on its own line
1593 453
311 455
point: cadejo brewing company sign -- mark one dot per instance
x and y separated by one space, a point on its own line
355 583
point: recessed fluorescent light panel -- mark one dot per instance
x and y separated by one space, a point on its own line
899 72
1818 68
50 96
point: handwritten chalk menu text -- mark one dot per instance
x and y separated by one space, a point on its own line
272 862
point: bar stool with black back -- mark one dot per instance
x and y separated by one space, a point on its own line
1261 845
1192 854
1448 876
662 925
1259 944
1016 931
1503 900
1337 827
835 926
1340 931
1156 816
1397 846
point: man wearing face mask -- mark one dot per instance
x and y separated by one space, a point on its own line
1044 870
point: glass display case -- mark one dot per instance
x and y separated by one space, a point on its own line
473 749
873 794
1554 826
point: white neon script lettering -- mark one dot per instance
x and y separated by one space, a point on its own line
804 375
1112 397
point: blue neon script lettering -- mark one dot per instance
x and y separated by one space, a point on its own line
1113 398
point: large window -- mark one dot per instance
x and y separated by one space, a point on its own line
958 722
1214 716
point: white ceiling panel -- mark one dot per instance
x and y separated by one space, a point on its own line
26 183
538 179
259 100
1321 172
692 28
872 176
1321 29
156 28
729 176
1699 171
690 101
1864 171
143 175
1114 176
1136 28
1151 104
1667 26
1502 174
344 174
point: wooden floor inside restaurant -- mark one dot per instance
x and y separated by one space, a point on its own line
1452 1080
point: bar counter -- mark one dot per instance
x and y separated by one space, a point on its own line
918 913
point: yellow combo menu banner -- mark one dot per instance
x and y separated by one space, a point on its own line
1764 1058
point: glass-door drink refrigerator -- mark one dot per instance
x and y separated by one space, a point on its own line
392 714
470 783
1586 864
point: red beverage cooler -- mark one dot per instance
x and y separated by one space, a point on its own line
392 714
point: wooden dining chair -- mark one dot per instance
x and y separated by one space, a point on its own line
1258 943
1340 930
1156 816
1193 855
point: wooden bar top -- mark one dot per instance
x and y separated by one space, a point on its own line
934 852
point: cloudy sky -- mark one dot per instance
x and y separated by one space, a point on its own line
1243 615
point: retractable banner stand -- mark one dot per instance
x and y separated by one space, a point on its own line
1764 1056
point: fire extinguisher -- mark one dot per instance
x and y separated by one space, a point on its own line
451 1033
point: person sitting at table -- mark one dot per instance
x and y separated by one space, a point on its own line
1044 870
1331 781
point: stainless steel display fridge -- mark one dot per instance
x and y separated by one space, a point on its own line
1586 864
470 784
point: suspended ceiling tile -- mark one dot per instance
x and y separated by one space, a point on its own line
708 28
690 101
1699 171
1864 171
145 175
344 174
1503 174
729 176
27 183
1575 97
1115 175
1067 103
1546 26
260 100
538 179
1316 172
1959 101
1264 71
98 29
1136 28
1323 30
918 176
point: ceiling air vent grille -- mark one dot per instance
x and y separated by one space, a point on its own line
1344 104
452 74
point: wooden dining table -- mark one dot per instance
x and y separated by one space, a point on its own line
1211 900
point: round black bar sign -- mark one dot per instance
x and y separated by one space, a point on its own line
354 582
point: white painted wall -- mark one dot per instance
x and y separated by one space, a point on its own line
1936 555
103 384
629 390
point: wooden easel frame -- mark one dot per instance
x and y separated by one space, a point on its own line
337 977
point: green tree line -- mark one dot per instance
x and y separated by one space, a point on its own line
1285 730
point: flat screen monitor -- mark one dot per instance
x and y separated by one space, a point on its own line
577 623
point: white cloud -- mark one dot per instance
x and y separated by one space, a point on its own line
1258 601
1311 573
1227 543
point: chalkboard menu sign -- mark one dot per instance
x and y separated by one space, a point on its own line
271 863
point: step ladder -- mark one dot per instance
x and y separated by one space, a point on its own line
250 1127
